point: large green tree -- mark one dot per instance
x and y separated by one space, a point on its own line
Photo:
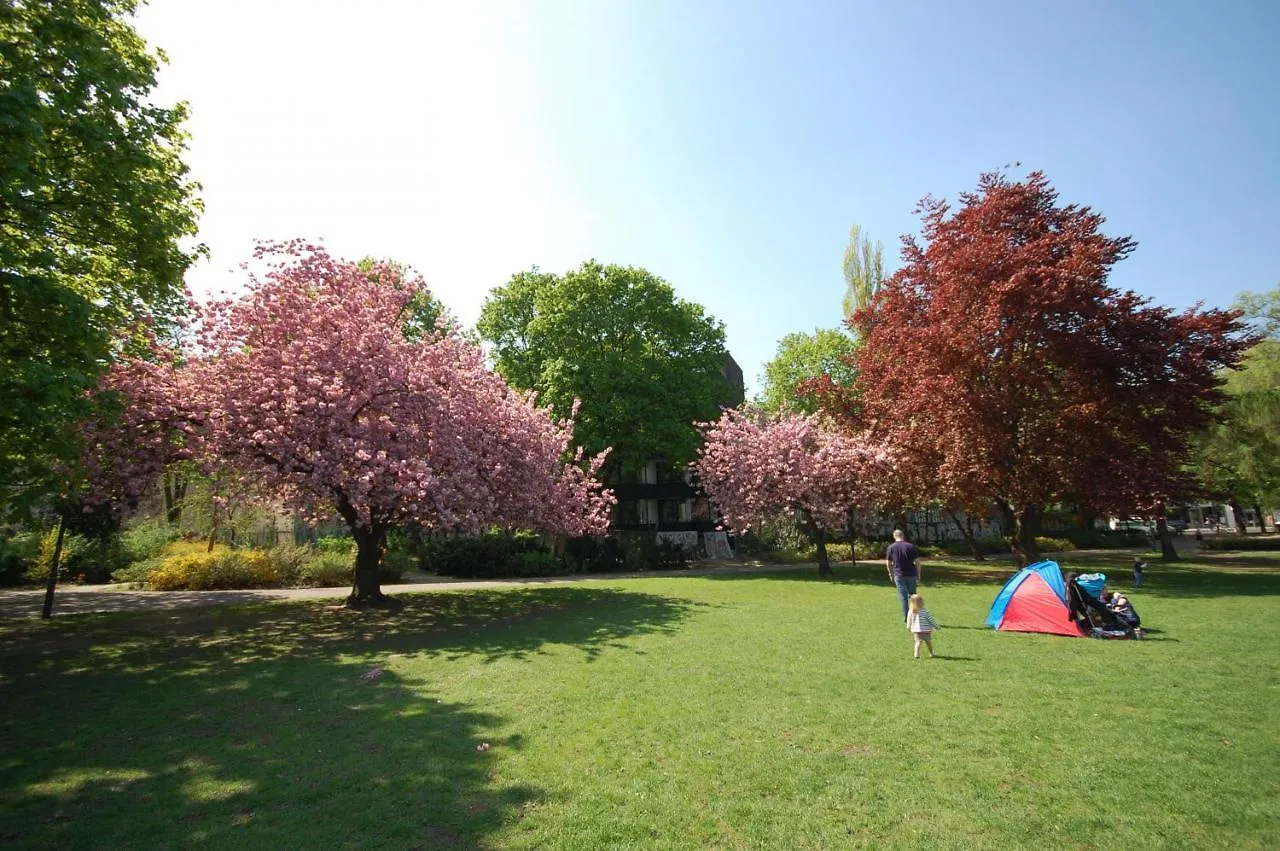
643 364
802 359
1239 455
94 201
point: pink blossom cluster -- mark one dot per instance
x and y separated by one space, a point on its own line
308 386
754 469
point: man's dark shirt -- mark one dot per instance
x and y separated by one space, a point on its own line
902 555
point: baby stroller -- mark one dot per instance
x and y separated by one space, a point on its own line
1092 615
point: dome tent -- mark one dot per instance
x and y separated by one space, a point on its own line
1034 600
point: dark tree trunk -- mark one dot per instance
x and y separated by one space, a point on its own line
967 534
1167 551
47 611
1239 515
371 545
852 535
1262 520
820 539
175 491
1020 530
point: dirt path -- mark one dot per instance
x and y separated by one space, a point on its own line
80 599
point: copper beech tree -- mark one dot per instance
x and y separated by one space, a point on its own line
309 387
1000 356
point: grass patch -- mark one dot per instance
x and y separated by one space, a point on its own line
769 710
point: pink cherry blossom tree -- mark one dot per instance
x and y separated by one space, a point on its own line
309 386
755 468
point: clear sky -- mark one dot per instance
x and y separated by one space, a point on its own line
725 146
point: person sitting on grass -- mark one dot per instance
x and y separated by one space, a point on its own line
921 623
1125 612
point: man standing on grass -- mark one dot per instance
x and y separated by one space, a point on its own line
902 560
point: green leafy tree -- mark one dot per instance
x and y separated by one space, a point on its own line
643 365
94 200
1239 457
863 271
801 359
1262 310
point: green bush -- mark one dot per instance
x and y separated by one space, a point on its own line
489 555
596 555
220 569
1055 545
1236 542
74 549
290 560
540 563
18 552
1105 539
328 570
344 545
145 539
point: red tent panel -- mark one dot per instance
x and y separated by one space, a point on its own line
1034 607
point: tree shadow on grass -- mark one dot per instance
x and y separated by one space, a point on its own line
277 725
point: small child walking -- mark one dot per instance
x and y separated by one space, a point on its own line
921 623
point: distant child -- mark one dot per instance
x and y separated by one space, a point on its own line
921 623
1138 566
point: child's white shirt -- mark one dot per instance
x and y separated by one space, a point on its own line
921 621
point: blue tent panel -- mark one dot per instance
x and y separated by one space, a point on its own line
1049 572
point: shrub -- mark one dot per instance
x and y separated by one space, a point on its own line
74 547
1236 542
328 570
490 555
596 555
540 563
216 570
290 560
18 552
1055 545
987 545
343 545
145 539
1105 539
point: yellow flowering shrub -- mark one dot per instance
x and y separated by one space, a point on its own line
220 569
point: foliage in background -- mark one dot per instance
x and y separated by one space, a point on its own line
863 271
1007 367
307 388
1239 456
94 200
756 468
642 364
787 385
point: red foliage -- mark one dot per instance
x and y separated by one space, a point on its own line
1002 360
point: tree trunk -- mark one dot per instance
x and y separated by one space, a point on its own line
852 536
967 534
1262 519
371 546
1239 514
47 611
1020 530
175 491
820 540
1167 551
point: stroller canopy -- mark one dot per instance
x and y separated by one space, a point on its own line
1034 600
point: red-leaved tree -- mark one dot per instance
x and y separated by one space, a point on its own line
755 469
999 352
309 386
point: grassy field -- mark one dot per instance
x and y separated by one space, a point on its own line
745 711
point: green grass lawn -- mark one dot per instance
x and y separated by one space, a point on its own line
743 711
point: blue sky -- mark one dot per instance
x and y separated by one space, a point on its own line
725 146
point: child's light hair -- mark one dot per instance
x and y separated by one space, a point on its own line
915 602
